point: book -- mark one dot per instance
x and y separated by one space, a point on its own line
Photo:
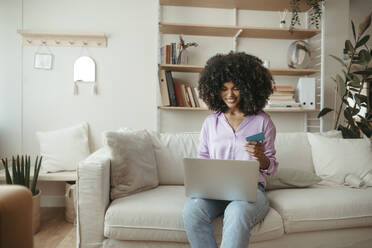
284 97
283 88
163 88
195 97
184 95
174 56
201 102
189 93
171 91
179 98
167 53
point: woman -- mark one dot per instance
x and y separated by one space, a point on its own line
237 87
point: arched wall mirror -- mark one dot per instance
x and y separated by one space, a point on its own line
84 70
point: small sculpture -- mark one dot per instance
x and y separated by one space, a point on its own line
182 46
299 55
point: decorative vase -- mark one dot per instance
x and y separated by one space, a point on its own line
299 55
36 212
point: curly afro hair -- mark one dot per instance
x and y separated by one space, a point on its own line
247 73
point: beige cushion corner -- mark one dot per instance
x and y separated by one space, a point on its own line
288 153
291 178
133 165
333 157
322 208
149 216
169 150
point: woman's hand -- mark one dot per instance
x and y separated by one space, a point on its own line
256 150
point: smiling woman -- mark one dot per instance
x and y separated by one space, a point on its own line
237 87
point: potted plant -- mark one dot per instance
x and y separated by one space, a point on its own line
20 174
356 73
315 13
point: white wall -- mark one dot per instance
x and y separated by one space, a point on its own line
10 78
32 100
36 100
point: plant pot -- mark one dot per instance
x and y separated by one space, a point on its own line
36 212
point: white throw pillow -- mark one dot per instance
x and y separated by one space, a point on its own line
133 165
336 158
63 149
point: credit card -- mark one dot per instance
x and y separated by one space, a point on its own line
257 137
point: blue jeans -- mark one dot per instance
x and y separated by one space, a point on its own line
239 218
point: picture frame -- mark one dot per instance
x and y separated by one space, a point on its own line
43 61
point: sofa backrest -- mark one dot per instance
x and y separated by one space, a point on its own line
292 151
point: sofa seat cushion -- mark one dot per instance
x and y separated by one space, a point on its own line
319 208
156 215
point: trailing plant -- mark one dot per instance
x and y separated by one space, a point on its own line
315 12
21 167
356 73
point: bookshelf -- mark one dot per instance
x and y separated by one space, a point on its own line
230 31
269 110
244 32
270 5
198 69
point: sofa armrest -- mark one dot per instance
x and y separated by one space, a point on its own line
93 198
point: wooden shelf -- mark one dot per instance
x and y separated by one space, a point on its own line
54 38
231 31
270 110
269 5
63 176
279 72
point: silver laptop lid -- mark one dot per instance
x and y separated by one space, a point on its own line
221 179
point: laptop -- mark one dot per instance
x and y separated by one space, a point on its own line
221 179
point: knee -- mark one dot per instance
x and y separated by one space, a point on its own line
193 212
238 210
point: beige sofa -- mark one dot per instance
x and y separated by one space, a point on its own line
323 215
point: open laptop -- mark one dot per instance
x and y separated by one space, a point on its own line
221 179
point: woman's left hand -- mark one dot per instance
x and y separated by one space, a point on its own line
256 150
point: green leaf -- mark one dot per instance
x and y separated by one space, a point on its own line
347 133
8 178
339 60
348 115
366 73
362 41
353 27
364 57
324 111
349 47
364 25
362 98
354 84
365 127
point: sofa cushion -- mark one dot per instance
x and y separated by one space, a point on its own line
334 159
293 151
156 215
169 150
133 165
318 208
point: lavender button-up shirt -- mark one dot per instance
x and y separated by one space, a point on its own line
219 141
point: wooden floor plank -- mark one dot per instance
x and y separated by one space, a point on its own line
54 230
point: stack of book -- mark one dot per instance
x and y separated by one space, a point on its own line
283 96
168 54
178 94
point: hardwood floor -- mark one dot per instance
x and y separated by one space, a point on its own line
54 230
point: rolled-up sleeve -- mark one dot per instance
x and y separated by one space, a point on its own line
203 151
269 143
